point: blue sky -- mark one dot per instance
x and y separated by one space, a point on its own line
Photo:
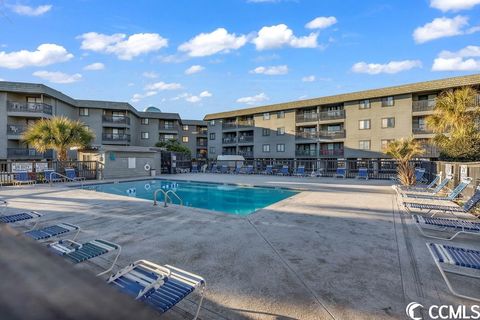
199 57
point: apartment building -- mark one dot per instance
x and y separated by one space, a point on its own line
114 123
350 126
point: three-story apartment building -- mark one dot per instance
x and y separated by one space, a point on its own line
114 123
351 126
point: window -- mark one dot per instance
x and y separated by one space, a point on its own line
212 150
185 128
388 122
280 114
365 104
265 132
185 139
266 116
212 136
34 99
280 131
364 124
83 112
144 121
169 137
266 148
364 144
212 122
144 135
385 143
388 102
280 147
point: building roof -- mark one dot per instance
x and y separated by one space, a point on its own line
360 95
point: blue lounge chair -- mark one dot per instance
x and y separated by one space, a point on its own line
72 175
420 175
300 171
437 189
459 260
427 188
22 177
77 252
283 171
161 287
51 176
340 173
442 208
224 168
20 217
362 173
53 231
249 169
238 169
268 170
457 226
451 196
194 168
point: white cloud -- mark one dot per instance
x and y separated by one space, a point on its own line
205 94
150 74
390 67
194 69
130 84
253 99
453 5
45 55
138 96
308 78
58 77
271 71
218 41
280 35
161 86
193 98
462 60
95 66
30 11
321 23
441 28
1 79
121 46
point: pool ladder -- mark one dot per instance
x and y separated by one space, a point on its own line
166 197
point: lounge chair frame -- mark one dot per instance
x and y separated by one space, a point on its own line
422 226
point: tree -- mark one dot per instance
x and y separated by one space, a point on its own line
404 150
173 145
58 133
455 121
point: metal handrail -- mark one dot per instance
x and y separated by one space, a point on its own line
176 195
155 197
65 178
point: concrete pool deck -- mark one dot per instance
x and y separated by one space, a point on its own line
340 249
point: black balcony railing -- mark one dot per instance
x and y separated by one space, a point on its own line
423 105
306 117
167 126
309 135
245 139
26 153
116 137
421 130
430 151
306 152
331 153
229 125
15 129
246 153
201 155
32 107
228 140
325 134
332 115
246 123
116 119
202 143
229 152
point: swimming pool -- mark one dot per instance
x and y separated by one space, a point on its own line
233 199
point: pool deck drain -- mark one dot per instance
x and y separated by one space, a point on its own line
337 248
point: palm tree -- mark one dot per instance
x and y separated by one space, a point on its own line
58 133
404 150
455 121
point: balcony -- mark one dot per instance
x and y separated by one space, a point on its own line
203 131
25 153
245 139
325 134
423 105
246 153
332 115
421 130
229 140
229 125
116 120
306 153
331 152
307 135
168 127
116 137
201 156
232 152
246 123
202 143
14 131
29 107
430 151
306 117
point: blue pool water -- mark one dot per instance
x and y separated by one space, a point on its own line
239 200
